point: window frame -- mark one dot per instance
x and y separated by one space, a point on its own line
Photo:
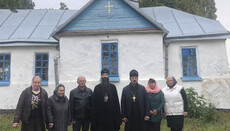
43 82
5 82
112 78
190 77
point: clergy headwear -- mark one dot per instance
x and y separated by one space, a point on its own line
133 73
104 70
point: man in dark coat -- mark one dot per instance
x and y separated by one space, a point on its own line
106 108
81 105
134 104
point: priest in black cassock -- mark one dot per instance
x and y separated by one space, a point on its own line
105 109
134 104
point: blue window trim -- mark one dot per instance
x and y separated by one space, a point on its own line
5 82
190 78
112 78
43 82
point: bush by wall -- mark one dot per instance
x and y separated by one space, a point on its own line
198 107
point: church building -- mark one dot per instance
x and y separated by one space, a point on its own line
60 45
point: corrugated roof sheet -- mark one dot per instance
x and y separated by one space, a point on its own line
183 24
31 25
38 25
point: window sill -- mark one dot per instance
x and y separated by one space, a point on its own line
114 79
191 79
4 83
44 83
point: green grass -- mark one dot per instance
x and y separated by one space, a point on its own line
221 123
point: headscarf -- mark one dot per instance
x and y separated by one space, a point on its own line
56 92
155 90
32 83
174 82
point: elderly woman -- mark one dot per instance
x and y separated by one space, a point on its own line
31 107
175 104
58 110
156 103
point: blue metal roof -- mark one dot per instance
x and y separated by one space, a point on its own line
36 26
31 26
181 24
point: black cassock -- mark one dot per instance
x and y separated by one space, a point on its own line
105 109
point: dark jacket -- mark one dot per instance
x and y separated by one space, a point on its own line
80 103
58 113
106 114
141 97
24 105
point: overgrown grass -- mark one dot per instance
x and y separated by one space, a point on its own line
221 122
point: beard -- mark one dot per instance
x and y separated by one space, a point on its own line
105 84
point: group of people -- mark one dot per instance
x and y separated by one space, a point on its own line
141 108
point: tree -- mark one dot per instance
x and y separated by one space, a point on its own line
205 8
16 4
63 6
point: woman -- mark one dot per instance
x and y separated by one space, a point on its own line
175 104
58 110
156 103
31 107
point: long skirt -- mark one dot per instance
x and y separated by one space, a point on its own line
176 121
33 125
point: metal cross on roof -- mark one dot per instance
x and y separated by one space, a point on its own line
109 6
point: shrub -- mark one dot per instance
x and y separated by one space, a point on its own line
198 107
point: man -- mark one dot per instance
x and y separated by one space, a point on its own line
80 105
134 104
106 108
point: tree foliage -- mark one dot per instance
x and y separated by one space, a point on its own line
63 6
205 8
16 4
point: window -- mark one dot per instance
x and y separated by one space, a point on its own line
4 69
110 59
189 64
41 66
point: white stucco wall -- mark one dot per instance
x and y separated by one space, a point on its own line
212 64
212 59
82 56
22 71
143 52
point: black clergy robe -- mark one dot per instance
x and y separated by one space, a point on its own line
105 113
134 110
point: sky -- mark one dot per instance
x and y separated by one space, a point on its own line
223 11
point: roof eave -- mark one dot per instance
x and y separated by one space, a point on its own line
10 43
219 36
107 32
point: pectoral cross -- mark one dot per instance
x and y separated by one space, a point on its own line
106 98
134 98
109 6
